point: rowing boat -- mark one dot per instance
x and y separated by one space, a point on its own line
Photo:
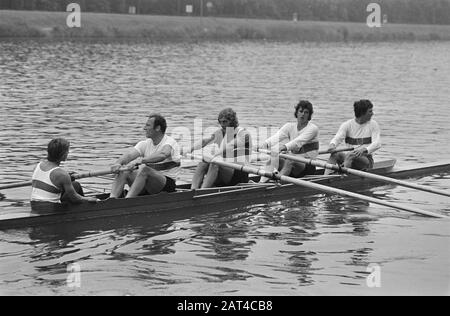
184 198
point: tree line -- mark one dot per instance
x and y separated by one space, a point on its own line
396 11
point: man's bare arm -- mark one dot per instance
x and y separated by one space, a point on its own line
199 144
62 179
131 155
162 155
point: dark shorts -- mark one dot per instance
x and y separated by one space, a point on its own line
361 163
309 170
371 162
169 187
238 177
364 162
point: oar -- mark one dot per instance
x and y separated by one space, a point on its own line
362 174
316 186
75 176
324 152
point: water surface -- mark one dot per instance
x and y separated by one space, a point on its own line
98 95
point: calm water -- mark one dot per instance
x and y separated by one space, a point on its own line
98 95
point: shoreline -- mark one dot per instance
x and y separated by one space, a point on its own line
52 25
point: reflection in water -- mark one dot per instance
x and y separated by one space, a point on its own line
342 210
223 245
279 247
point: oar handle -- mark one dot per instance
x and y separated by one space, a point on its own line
92 174
324 152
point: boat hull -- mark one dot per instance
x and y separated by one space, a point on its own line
208 199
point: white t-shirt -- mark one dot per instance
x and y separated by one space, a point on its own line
294 139
359 135
147 148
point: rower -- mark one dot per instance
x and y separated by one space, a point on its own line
299 138
51 183
158 157
362 132
234 144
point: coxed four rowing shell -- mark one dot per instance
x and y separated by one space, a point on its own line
185 198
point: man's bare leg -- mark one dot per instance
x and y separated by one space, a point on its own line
292 168
199 174
149 179
211 176
358 163
273 164
125 177
336 158
286 168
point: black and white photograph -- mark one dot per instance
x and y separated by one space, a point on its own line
225 154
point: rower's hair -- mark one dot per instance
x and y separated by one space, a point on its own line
159 121
303 104
229 115
56 149
361 107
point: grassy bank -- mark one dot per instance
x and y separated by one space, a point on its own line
172 28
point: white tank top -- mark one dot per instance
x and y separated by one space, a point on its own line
238 155
43 189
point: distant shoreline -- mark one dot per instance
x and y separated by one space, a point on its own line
52 25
